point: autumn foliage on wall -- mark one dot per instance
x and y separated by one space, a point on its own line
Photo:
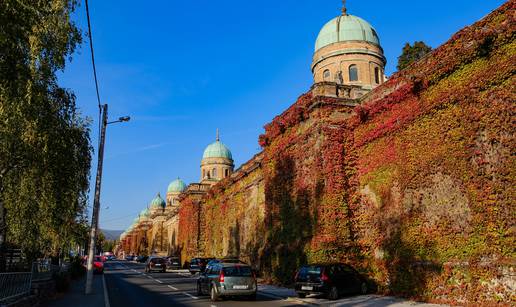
414 186
435 170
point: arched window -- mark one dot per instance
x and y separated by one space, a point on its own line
377 75
353 73
326 75
226 172
214 173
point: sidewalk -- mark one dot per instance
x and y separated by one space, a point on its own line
75 296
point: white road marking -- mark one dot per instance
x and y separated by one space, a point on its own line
149 277
158 281
188 294
106 296
173 288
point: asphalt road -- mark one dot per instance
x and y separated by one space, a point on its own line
128 285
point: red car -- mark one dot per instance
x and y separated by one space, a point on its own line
98 264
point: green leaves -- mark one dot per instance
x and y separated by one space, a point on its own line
46 153
411 54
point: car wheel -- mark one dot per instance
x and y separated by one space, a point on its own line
213 294
199 290
301 295
363 288
333 294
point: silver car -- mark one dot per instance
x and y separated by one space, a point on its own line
227 279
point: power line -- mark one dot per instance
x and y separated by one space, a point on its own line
92 53
93 64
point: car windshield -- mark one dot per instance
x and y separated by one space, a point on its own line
243 271
310 270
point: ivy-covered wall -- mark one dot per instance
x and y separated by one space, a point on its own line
414 186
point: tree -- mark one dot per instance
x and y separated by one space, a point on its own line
411 54
45 154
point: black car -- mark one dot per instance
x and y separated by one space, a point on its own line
331 280
142 259
156 264
173 262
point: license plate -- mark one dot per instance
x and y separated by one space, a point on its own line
157 264
307 288
239 287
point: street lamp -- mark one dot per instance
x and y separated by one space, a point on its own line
120 119
96 201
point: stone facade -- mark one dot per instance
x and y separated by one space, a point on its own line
332 64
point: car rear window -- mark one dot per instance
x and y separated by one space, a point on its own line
157 260
243 271
310 270
97 259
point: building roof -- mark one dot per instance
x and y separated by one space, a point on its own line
157 203
176 186
346 28
217 150
145 213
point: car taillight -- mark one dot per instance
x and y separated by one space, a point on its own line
221 278
324 277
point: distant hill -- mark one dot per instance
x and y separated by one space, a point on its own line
112 234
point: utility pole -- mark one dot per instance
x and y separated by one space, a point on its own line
96 201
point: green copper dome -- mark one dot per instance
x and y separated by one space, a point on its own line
158 203
145 213
176 186
217 150
346 28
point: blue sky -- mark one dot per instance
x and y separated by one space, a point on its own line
181 69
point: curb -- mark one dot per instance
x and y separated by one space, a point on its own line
288 298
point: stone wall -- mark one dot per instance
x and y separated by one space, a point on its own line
414 186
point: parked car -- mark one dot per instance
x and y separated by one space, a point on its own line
227 279
173 263
142 259
331 280
156 264
98 264
198 265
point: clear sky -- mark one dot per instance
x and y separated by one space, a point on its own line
181 69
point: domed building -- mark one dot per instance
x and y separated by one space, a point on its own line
175 188
348 52
217 162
